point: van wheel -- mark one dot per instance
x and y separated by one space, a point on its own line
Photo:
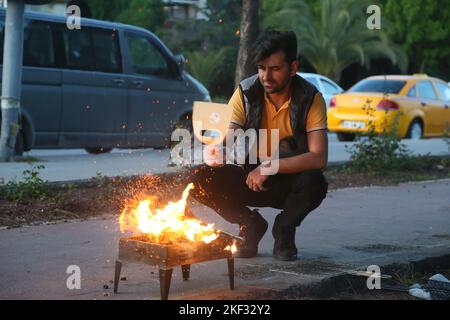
98 150
415 131
346 137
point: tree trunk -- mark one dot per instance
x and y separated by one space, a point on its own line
249 32
422 67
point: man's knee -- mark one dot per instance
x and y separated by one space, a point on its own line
312 182
214 180
200 174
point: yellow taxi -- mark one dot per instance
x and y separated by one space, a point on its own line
414 106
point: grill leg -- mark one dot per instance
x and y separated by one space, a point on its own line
164 282
186 270
231 272
117 275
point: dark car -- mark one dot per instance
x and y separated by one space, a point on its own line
103 86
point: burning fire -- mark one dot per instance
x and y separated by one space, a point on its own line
232 248
167 224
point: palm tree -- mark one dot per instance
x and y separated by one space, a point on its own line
336 36
205 66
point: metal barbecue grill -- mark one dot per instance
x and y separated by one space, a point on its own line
168 256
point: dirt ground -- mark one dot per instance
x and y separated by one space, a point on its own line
107 196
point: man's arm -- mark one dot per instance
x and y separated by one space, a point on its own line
316 158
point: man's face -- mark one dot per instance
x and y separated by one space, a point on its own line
275 72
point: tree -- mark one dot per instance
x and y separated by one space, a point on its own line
148 14
84 7
336 36
422 29
249 32
204 65
206 38
107 10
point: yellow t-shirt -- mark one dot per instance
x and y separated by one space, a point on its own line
281 120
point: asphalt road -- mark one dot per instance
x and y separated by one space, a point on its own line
76 164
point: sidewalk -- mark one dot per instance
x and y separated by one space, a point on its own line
353 228
69 165
72 165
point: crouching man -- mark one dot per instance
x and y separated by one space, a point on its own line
274 99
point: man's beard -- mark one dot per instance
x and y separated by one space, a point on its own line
277 89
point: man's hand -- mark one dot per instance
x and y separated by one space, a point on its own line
213 155
255 180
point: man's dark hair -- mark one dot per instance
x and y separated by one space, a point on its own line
272 41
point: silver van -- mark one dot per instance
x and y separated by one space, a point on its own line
106 85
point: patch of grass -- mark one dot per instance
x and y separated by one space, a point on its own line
409 276
100 180
420 168
32 186
413 177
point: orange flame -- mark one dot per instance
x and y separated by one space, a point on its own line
167 224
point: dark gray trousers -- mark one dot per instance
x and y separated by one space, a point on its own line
224 190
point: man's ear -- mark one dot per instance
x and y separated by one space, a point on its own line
294 67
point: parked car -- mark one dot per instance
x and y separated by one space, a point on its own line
417 104
106 85
327 87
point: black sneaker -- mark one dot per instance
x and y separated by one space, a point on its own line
284 248
252 232
285 254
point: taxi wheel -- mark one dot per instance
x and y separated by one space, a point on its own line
415 131
346 137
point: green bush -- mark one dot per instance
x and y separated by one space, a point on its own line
447 136
32 186
379 152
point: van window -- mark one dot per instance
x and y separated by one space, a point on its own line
78 49
38 49
107 51
426 90
146 58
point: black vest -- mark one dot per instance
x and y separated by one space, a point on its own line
302 98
